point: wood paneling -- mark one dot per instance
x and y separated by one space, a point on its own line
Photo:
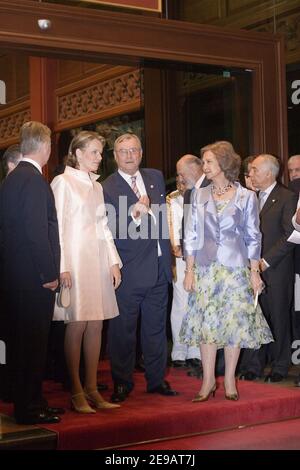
14 71
237 6
262 15
208 10
114 91
70 71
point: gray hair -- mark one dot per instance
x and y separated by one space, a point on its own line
191 160
272 162
127 136
32 135
293 156
12 155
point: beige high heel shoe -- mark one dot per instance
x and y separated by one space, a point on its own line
81 408
231 396
199 397
98 401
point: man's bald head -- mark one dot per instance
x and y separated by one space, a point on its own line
189 170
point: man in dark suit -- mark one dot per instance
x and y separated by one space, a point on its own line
135 202
31 255
11 158
277 206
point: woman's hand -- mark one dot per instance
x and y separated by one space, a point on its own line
189 281
257 283
115 274
65 279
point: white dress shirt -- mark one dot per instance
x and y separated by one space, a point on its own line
142 190
200 181
33 162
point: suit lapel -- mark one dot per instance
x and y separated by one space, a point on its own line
271 200
205 183
150 185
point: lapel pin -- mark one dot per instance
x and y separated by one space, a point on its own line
151 186
273 200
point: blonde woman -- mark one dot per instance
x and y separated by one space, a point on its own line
90 265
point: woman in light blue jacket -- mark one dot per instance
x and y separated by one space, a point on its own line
222 250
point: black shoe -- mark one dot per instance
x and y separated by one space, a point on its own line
121 392
249 376
297 381
274 377
41 418
198 373
179 364
102 387
54 411
164 389
193 363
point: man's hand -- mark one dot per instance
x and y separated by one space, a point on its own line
65 279
262 265
141 207
51 285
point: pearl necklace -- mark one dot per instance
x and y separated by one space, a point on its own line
221 191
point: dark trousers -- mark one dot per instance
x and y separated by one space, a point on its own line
31 314
276 304
6 335
150 304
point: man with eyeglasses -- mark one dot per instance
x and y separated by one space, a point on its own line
134 195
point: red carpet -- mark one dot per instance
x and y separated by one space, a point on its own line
284 435
145 416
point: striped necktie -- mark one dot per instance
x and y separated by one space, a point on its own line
134 187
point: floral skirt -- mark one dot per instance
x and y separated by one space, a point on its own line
221 310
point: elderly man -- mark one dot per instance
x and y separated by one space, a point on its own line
11 158
294 167
146 271
31 253
277 206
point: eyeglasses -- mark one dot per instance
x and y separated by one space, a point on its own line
133 151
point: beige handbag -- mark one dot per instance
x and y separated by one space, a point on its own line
63 299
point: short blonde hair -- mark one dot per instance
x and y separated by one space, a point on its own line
126 136
229 161
32 135
80 141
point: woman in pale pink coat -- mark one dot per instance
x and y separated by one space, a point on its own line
90 264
